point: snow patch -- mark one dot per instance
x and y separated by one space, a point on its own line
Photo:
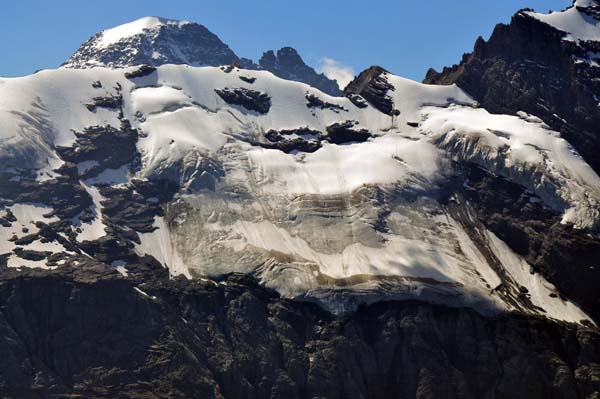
111 176
119 266
95 229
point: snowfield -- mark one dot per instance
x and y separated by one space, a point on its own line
348 223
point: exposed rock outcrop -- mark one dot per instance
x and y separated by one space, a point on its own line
372 86
252 100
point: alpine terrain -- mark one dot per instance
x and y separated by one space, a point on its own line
177 221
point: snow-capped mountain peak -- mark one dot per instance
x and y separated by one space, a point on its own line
154 41
137 27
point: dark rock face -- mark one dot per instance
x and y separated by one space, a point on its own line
107 102
108 146
304 139
527 66
567 257
372 86
63 193
89 332
287 64
248 79
252 100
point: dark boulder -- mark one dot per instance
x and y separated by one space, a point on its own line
140 72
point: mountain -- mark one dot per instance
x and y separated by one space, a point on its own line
218 231
153 41
159 41
543 64
287 64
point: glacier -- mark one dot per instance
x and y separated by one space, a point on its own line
370 212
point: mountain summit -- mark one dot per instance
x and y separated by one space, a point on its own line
154 41
158 41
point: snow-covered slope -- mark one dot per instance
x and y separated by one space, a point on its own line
317 196
580 22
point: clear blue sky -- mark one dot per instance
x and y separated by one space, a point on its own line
405 36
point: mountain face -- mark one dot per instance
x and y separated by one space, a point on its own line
229 233
543 64
158 41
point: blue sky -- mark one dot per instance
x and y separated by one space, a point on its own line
405 36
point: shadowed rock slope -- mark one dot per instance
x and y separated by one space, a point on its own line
150 337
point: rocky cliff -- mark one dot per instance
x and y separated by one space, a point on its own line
543 64
87 331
